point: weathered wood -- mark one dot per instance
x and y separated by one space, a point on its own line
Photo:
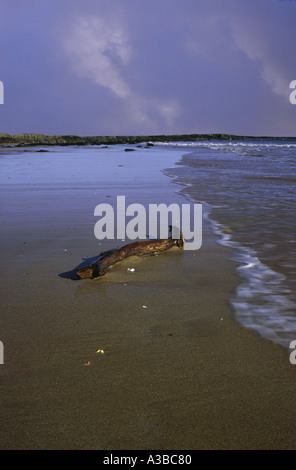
140 248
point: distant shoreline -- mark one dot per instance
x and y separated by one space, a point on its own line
25 140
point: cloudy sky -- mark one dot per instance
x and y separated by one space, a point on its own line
130 67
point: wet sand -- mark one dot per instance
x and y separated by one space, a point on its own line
179 373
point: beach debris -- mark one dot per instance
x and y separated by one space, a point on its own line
144 306
100 351
132 270
87 363
140 248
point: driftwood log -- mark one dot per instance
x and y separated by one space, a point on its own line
140 248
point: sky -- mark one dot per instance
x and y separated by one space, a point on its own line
148 67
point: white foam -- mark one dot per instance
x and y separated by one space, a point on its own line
227 145
261 301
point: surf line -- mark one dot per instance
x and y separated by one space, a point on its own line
180 217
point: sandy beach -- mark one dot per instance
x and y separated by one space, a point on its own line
177 371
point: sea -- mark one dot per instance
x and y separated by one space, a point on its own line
247 189
248 192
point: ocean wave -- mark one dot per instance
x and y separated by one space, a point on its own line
261 301
227 145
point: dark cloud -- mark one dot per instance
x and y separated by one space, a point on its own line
112 67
